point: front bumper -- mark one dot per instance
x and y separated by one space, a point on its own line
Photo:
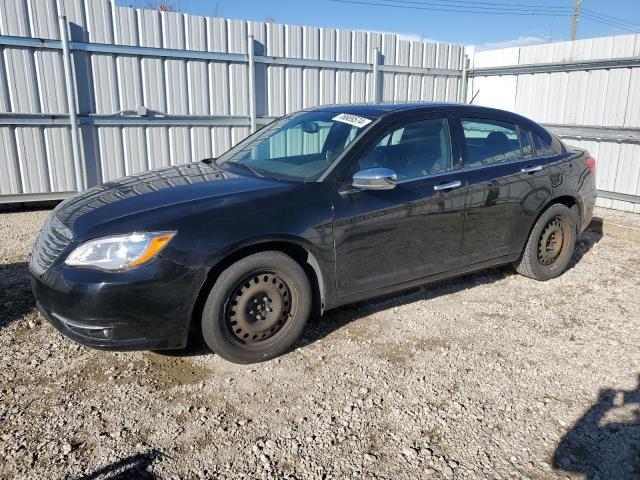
147 308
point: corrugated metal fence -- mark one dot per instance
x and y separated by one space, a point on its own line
147 89
586 91
160 88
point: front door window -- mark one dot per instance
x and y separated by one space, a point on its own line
413 150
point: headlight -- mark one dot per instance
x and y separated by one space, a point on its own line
119 252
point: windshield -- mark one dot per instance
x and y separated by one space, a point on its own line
299 146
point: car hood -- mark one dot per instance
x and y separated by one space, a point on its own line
158 189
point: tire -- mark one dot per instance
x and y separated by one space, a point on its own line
257 308
550 245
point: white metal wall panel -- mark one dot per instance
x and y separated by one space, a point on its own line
5 102
607 98
429 81
59 158
259 32
152 68
632 114
134 149
25 161
14 18
129 74
374 40
197 70
158 147
218 71
327 76
293 77
359 79
31 149
401 80
38 159
389 52
499 92
221 140
9 166
343 77
276 89
311 76
238 87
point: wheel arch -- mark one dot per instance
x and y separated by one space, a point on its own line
295 248
571 202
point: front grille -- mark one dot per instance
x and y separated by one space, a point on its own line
53 238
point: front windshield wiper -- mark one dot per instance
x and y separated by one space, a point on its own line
257 173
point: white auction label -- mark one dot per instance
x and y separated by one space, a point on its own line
354 120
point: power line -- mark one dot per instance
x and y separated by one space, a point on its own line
588 16
475 8
518 6
610 18
485 5
433 8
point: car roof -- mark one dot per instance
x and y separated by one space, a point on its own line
383 109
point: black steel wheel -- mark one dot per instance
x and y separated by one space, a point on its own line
257 308
551 241
550 245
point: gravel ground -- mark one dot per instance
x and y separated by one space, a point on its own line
488 376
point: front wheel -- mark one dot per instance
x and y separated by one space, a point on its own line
257 308
550 245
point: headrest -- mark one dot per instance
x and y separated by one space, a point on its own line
498 141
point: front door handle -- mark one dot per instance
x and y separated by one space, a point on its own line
531 169
447 186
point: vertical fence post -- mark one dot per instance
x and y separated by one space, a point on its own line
81 180
463 81
376 73
252 84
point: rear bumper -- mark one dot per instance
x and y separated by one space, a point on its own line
148 308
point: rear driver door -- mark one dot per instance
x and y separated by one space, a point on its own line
507 186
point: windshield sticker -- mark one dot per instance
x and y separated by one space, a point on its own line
354 120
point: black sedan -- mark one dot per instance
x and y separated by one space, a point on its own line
322 207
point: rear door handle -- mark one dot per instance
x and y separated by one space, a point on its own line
447 186
531 169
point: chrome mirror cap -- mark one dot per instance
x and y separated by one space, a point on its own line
375 179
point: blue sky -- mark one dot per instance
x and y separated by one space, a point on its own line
423 18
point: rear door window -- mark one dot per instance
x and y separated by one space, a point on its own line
490 141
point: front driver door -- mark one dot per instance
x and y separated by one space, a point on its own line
389 237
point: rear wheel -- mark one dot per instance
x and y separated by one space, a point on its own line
257 308
550 245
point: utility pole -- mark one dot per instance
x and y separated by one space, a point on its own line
576 17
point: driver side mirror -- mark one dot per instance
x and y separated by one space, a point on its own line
375 179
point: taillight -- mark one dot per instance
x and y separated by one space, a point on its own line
591 164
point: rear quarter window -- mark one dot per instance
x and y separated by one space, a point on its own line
547 145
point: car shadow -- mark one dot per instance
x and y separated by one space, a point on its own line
585 242
338 318
605 442
133 466
16 298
